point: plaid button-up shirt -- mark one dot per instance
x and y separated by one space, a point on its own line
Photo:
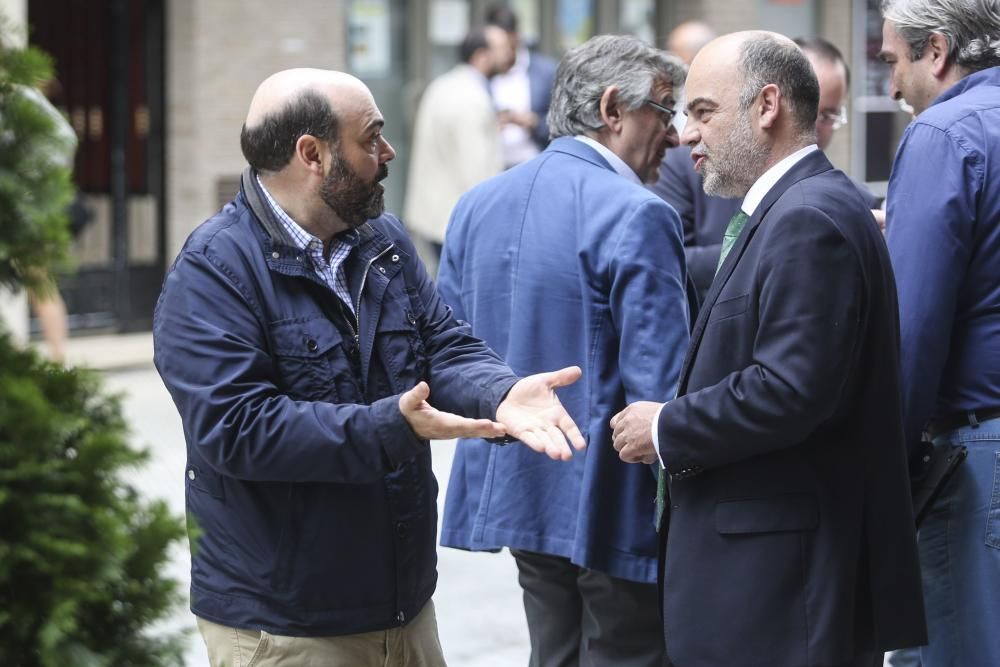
330 271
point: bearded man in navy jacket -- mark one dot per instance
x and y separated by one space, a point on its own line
311 360
572 238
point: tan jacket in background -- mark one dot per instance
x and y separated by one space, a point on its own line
456 144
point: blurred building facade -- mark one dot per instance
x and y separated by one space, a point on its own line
157 91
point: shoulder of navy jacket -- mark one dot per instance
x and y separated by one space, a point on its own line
250 189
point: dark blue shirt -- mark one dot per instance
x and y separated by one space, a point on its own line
944 240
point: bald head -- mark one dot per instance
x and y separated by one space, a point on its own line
757 58
293 103
688 38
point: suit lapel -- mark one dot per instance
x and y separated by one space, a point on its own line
812 164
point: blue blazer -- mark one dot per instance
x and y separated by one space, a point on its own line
562 261
790 538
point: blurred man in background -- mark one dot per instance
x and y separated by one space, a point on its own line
522 94
456 137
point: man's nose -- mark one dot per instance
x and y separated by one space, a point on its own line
388 153
672 138
690 135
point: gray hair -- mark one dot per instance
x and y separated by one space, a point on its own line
971 28
765 60
586 71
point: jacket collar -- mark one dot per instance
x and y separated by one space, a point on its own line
280 249
571 146
986 77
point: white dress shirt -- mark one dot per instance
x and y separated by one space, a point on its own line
616 162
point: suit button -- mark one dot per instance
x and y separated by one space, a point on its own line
401 617
191 474
312 345
400 527
675 507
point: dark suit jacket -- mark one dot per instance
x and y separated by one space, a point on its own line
541 76
790 539
704 216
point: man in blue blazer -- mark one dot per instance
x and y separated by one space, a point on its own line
568 257
522 94
788 531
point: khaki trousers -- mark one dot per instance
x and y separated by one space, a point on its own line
415 644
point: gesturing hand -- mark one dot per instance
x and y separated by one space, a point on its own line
532 413
632 432
430 423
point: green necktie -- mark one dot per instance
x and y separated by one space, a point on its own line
661 494
733 230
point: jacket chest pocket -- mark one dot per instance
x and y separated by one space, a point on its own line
400 345
313 361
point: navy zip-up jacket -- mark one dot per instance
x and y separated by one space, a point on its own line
314 501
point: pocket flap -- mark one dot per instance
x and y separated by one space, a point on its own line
307 339
729 308
205 479
767 515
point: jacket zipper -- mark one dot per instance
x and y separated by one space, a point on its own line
357 308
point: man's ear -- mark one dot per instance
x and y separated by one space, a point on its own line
768 105
309 153
937 51
612 112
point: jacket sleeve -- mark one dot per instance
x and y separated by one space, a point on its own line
675 186
466 376
931 225
809 287
210 349
648 302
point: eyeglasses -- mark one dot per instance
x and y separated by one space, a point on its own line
668 113
837 119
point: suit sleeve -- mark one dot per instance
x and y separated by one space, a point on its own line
809 285
648 302
930 223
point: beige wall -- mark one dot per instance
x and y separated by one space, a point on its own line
16 13
218 52
835 26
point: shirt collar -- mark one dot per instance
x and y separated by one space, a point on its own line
616 162
986 76
770 177
297 232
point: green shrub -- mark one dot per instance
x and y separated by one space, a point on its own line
80 551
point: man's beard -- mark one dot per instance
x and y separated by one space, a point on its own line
734 166
351 198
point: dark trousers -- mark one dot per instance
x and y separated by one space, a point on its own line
579 617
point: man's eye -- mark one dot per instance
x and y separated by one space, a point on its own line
375 139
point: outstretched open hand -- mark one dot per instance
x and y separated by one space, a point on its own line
533 414
430 423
